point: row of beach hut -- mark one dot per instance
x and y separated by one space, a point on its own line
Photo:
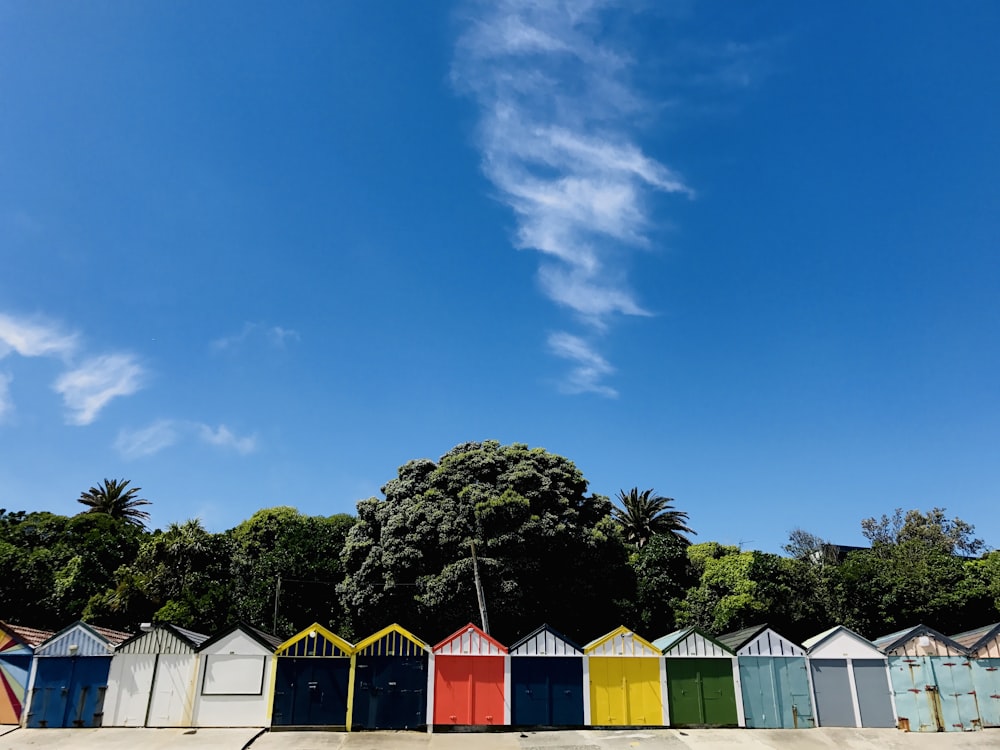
167 676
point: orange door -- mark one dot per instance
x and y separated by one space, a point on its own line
468 690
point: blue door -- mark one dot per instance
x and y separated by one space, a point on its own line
311 691
546 691
390 692
69 691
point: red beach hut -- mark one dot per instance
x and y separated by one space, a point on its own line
470 680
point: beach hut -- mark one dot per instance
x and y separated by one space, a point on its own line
17 646
850 680
931 677
312 676
152 678
234 674
627 680
774 679
468 684
547 678
389 681
983 645
69 677
701 678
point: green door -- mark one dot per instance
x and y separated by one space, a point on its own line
702 693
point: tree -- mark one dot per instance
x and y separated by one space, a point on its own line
663 575
116 499
547 551
179 576
643 515
914 573
738 589
60 564
305 552
953 536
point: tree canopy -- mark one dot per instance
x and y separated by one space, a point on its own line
548 551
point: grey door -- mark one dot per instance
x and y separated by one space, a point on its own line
834 707
874 694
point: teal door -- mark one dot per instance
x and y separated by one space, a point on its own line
935 693
776 692
986 681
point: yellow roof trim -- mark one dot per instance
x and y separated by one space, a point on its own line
394 628
335 639
619 631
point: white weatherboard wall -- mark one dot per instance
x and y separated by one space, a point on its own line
234 676
152 682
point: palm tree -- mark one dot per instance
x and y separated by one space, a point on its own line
115 500
642 515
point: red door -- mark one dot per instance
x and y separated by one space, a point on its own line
468 689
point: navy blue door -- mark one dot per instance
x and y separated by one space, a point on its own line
311 692
390 692
546 691
69 691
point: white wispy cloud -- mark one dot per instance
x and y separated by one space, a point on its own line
34 338
224 437
88 388
148 440
6 405
164 433
276 336
555 131
589 368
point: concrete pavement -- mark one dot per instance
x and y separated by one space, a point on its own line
583 739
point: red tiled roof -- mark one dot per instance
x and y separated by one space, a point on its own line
115 637
31 636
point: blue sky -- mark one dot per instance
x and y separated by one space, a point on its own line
743 253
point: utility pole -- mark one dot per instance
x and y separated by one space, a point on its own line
479 590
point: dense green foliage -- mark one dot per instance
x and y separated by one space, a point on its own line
547 551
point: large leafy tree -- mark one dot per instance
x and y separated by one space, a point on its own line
642 515
116 499
304 551
180 576
739 588
60 564
547 550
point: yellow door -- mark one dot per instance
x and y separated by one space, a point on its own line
625 691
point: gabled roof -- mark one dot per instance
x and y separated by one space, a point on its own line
266 640
470 640
103 639
760 640
305 643
704 643
628 640
25 635
887 643
191 638
391 638
542 632
973 639
738 639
